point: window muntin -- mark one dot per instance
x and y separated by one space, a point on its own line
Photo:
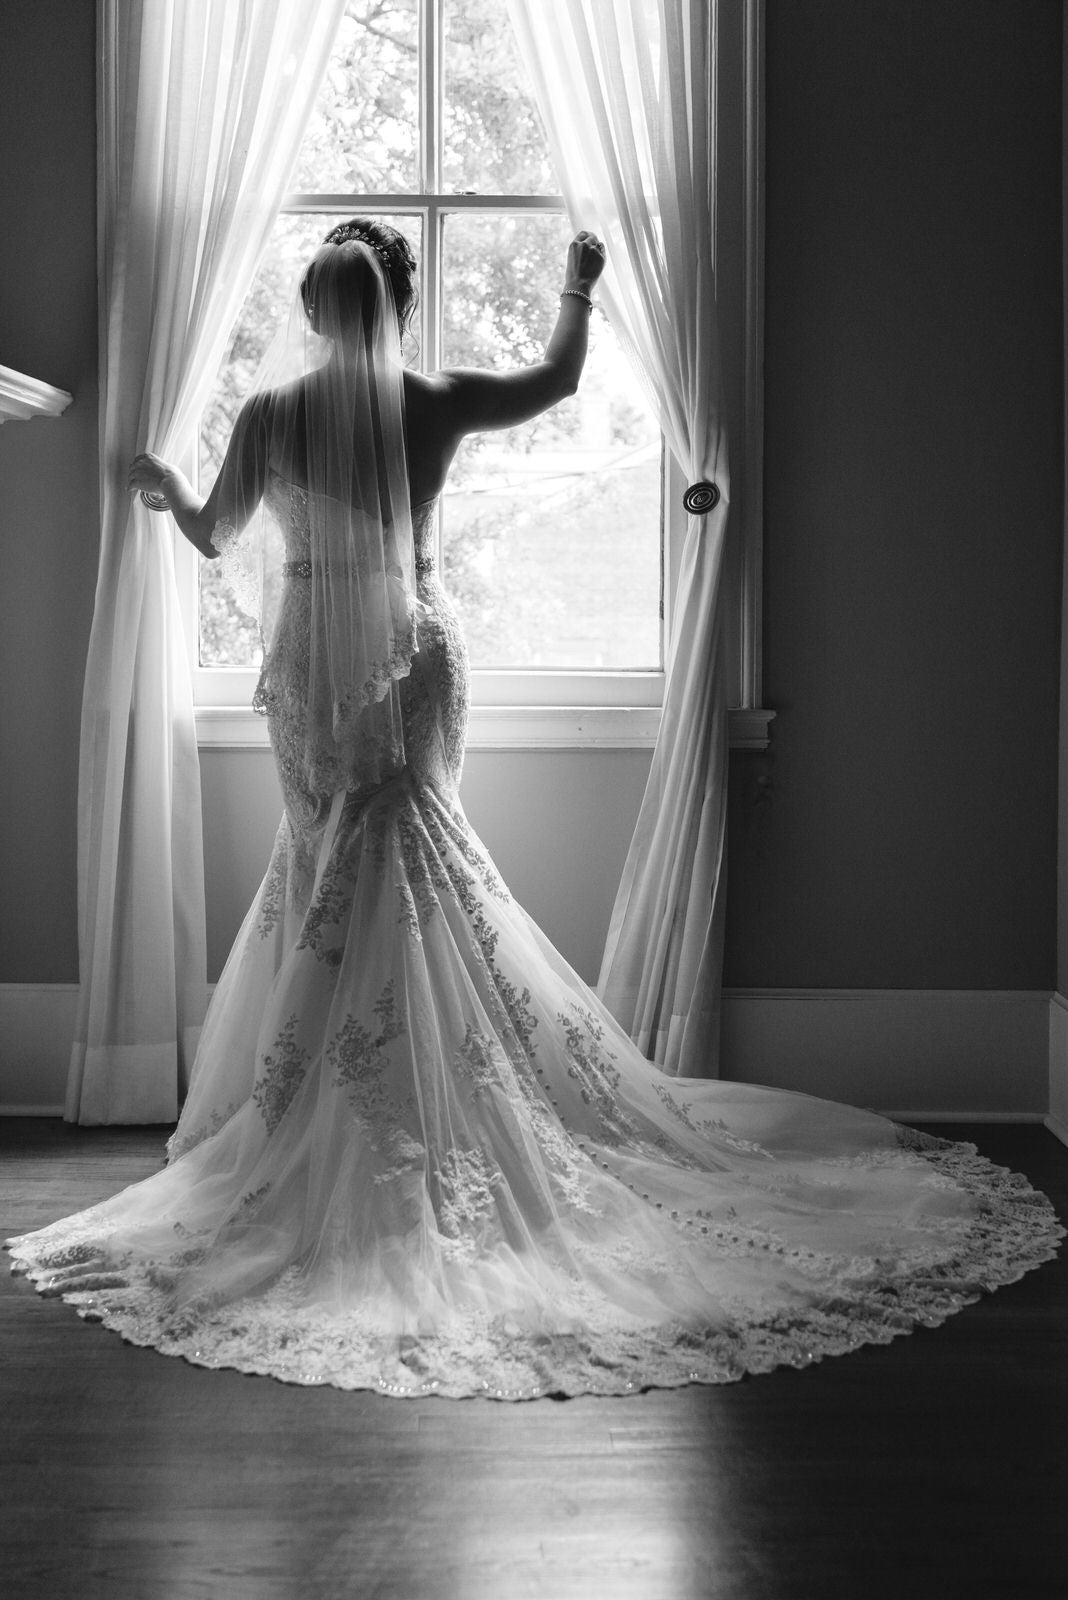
227 638
492 138
363 134
551 534
550 531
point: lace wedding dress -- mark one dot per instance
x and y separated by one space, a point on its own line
419 1157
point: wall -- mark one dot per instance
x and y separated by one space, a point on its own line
902 832
49 523
557 824
1058 1044
1062 864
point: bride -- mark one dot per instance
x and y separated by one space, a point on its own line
417 1154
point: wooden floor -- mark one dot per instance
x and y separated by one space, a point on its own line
933 1468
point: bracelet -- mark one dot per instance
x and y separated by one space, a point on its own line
579 294
155 502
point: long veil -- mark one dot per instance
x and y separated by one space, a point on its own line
316 539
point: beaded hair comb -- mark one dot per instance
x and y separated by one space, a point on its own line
348 232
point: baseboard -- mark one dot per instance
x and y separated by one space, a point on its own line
36 1030
956 1054
918 1114
1058 1128
941 1054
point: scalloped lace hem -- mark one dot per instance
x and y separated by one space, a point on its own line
277 1334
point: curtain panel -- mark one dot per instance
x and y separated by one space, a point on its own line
626 89
202 104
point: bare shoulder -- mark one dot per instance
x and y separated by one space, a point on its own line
424 386
427 398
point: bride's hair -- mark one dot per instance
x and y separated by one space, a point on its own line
392 250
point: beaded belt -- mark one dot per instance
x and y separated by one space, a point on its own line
424 566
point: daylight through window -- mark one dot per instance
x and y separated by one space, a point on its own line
552 532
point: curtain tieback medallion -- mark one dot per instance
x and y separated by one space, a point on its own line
700 498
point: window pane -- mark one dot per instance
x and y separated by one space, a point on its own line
363 137
551 531
227 637
494 142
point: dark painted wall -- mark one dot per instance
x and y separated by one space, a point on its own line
906 831
902 831
49 520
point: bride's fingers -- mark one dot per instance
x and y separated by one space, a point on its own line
145 471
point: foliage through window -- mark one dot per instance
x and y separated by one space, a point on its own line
551 532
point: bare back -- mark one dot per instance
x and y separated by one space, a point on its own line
432 434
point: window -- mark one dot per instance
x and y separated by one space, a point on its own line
554 536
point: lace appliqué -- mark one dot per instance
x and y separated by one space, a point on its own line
709 1127
288 880
219 1118
329 909
481 1061
850 1301
238 567
283 1074
359 1061
593 1068
542 1242
466 1208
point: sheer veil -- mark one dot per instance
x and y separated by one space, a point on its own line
315 530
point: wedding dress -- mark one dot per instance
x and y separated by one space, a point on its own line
418 1156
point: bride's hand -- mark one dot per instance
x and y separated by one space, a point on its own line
152 475
585 261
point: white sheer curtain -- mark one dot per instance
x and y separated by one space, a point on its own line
202 105
626 90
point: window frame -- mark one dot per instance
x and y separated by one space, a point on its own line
537 709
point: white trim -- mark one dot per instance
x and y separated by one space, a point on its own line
750 728
917 1114
22 398
36 1032
945 1055
301 203
960 1053
31 1111
740 97
1057 1118
1058 1128
511 728
495 690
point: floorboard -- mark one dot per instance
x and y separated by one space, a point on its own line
934 1467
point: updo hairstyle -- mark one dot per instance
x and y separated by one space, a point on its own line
352 279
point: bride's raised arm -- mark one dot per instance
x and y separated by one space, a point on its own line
479 400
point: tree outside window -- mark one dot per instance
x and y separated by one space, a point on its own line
551 533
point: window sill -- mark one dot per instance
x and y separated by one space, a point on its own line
511 728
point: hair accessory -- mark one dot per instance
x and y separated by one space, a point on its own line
701 498
346 233
155 502
579 294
